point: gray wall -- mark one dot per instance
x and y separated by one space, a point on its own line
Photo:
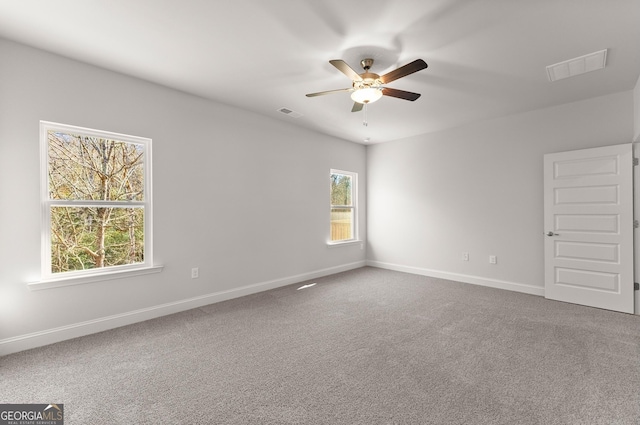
479 189
241 196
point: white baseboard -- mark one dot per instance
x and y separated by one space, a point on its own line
50 336
474 280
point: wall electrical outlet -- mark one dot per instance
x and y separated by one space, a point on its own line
465 256
493 259
195 273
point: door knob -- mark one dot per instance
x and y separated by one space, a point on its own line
551 234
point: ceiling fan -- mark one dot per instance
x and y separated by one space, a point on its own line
368 87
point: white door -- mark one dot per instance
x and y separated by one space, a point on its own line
588 219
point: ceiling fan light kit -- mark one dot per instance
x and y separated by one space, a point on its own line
368 87
366 95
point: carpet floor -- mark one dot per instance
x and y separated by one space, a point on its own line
368 346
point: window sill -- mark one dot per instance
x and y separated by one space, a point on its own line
344 243
79 280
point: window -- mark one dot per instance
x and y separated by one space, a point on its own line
96 202
343 206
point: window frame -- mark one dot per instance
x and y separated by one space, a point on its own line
354 207
48 278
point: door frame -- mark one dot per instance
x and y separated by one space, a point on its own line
636 238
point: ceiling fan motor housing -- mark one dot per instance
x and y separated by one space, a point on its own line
369 79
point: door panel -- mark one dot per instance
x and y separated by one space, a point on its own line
588 251
587 279
582 223
588 216
603 195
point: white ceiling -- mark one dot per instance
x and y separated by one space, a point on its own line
486 58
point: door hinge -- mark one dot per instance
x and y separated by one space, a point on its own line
636 286
636 224
635 161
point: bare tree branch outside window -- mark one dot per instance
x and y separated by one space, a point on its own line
105 174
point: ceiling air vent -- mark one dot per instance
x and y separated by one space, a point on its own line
292 114
577 66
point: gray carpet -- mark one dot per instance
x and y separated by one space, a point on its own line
368 346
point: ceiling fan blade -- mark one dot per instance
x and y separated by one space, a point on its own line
403 71
357 107
321 93
345 69
400 94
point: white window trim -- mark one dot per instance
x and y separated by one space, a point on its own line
112 273
335 244
354 198
54 280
